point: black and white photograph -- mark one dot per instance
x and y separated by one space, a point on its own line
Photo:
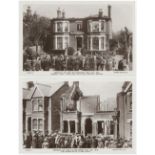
77 115
77 36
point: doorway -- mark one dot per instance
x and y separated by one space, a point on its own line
29 123
88 126
79 42
101 127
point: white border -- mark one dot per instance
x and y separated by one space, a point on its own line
74 73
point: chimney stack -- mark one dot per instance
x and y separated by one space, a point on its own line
109 11
63 14
100 13
66 83
58 13
76 83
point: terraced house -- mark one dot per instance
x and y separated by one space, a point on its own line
92 32
83 114
41 107
47 108
65 108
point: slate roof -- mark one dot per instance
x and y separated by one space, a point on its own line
44 89
25 93
126 86
86 18
55 88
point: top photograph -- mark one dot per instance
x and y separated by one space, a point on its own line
77 36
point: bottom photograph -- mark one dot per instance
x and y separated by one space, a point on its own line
77 114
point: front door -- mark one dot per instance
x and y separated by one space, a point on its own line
88 126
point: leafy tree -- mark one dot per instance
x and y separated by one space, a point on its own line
121 41
71 51
35 28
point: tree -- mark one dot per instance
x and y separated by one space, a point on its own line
128 44
122 42
35 28
70 51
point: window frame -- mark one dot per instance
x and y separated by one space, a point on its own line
36 125
40 119
40 104
34 103
59 26
93 24
59 37
94 44
79 26
71 122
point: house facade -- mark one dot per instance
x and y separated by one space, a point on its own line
82 114
41 108
66 109
124 106
92 32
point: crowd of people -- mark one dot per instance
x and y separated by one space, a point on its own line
76 62
59 140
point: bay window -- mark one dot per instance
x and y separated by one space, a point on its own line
95 26
59 27
65 27
61 42
37 104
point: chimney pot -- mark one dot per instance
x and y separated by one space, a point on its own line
100 14
76 83
63 14
109 11
58 13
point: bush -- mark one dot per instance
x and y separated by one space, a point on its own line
71 50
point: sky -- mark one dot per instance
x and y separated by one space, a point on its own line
122 12
103 89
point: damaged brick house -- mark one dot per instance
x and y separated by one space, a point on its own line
82 114
65 108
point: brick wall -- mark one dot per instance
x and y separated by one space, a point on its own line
55 108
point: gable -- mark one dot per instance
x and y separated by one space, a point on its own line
36 93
